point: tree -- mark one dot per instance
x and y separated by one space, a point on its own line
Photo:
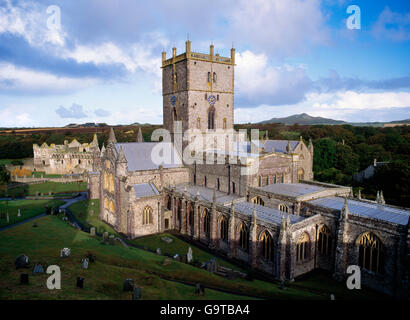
346 160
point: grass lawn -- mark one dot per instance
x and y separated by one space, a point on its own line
180 247
82 210
38 174
28 209
46 187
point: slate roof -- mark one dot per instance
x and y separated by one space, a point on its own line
291 189
265 213
143 190
366 209
278 145
206 193
140 155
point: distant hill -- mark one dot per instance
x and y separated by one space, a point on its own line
304 119
86 125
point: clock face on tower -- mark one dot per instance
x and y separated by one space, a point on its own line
211 99
173 100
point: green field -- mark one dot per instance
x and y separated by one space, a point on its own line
38 174
82 212
28 209
45 188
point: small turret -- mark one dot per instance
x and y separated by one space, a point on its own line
254 214
111 137
344 213
310 146
359 195
102 150
140 138
121 157
233 55
288 148
380 198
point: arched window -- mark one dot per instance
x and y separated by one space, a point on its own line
211 118
207 222
223 226
169 205
283 208
258 200
267 180
224 124
260 181
267 245
324 241
214 77
198 123
370 252
282 178
301 174
147 215
209 77
191 215
218 184
274 178
302 248
174 114
243 237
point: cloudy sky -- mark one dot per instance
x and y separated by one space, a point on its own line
100 62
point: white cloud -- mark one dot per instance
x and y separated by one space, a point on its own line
11 117
257 82
14 78
75 112
29 20
280 27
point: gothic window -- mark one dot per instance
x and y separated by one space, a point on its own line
174 114
209 77
206 96
267 180
302 248
205 182
233 188
258 200
267 246
223 226
274 178
191 215
370 252
169 203
218 184
217 97
283 208
211 118
147 215
282 179
301 174
224 124
243 237
198 123
207 222
324 241
260 181
214 77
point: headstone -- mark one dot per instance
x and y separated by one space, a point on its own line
189 256
38 268
105 235
92 231
22 261
137 293
7 217
24 278
80 282
19 213
212 265
159 252
128 285
167 239
198 288
84 263
64 253
166 262
111 239
332 296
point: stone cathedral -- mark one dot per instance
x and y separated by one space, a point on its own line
275 218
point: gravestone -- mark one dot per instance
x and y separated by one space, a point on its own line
105 235
38 268
84 263
80 282
111 240
198 288
64 253
167 239
19 213
7 217
128 285
159 252
92 231
24 278
332 297
166 262
22 261
137 293
212 265
189 255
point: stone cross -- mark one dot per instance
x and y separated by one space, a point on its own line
189 256
92 231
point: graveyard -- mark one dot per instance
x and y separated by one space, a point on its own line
157 274
45 188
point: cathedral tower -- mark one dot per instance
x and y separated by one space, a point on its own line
198 90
